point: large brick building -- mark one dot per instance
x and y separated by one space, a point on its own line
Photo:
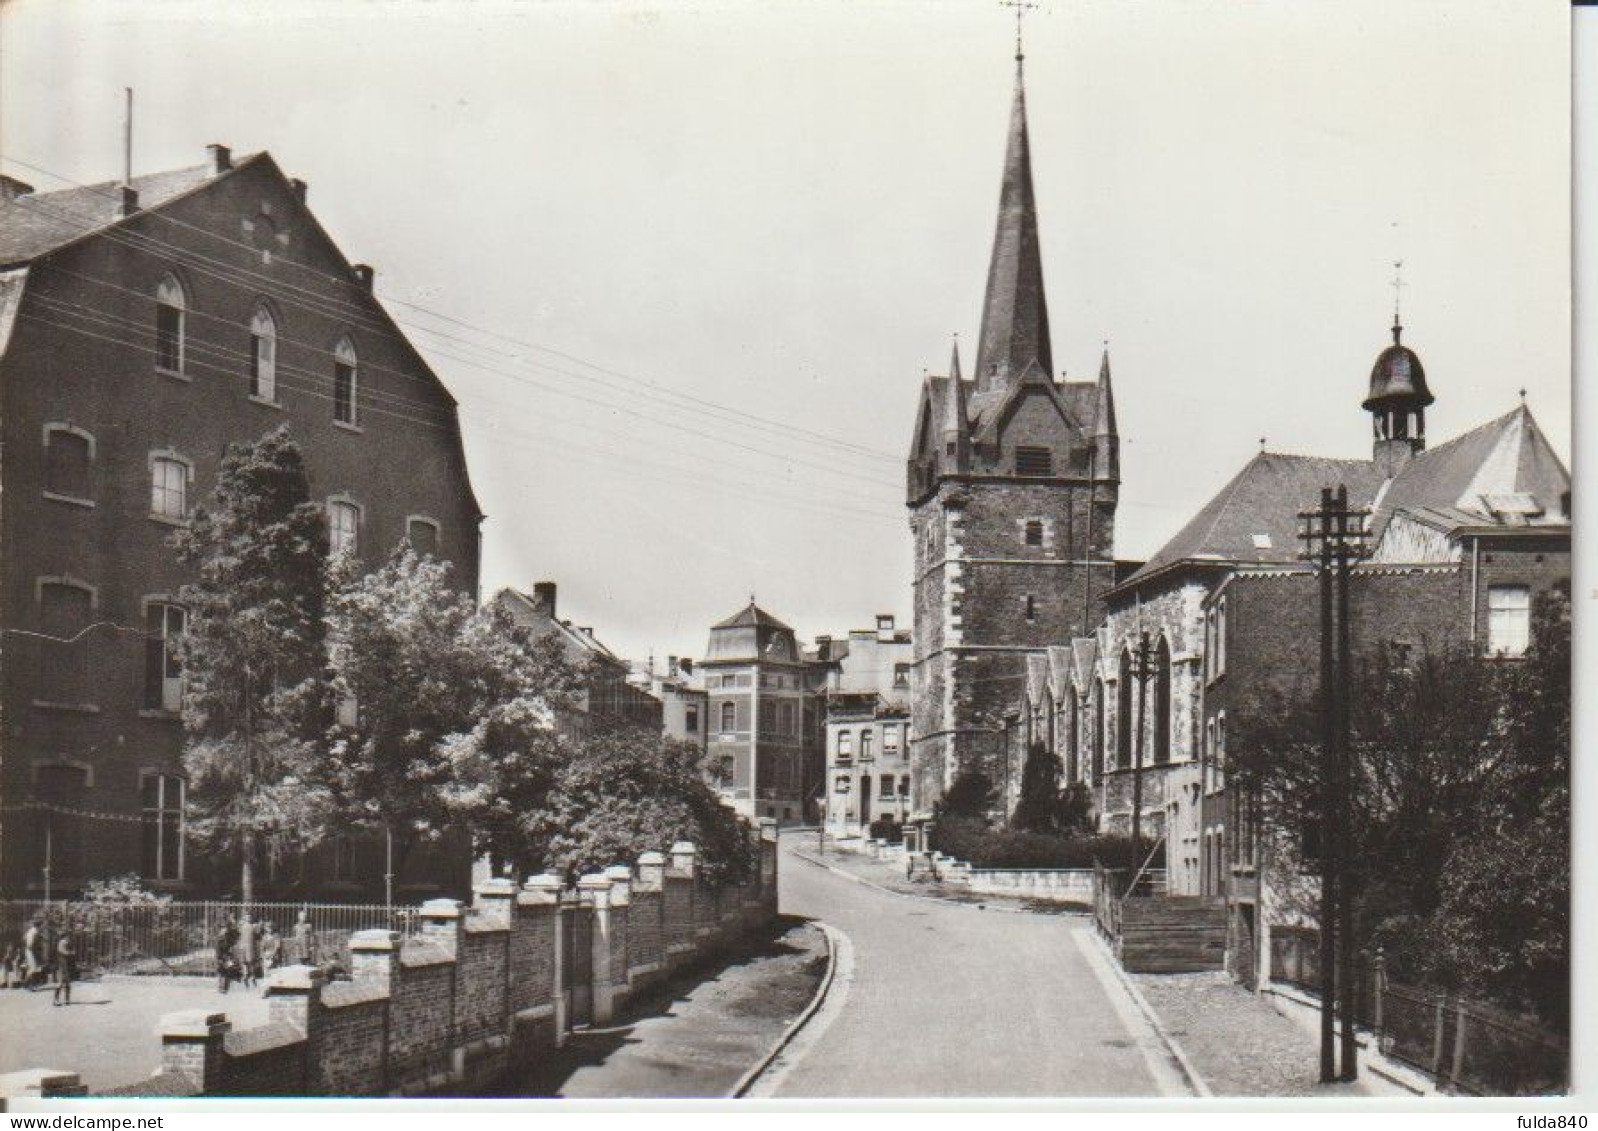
1464 536
1012 484
765 725
143 328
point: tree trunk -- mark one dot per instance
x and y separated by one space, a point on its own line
247 896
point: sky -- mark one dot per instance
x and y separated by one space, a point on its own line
684 265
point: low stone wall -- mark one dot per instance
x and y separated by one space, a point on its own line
1052 885
478 995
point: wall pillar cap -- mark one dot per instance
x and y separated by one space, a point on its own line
498 887
619 873
594 881
651 857
441 909
192 1023
375 939
683 848
294 979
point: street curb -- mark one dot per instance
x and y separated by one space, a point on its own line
1292 1005
751 1077
1189 1073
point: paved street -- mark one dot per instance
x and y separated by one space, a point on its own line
947 1000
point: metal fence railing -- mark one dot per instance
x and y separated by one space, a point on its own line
1465 1045
180 938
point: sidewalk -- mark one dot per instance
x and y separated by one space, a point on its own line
701 1043
1239 1043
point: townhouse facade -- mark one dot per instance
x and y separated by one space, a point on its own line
865 692
144 327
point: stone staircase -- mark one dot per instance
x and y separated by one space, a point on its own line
1172 934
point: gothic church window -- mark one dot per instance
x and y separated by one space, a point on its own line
1162 704
263 356
345 387
1123 714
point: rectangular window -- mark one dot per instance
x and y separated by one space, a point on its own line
1508 620
865 746
1034 461
1220 637
890 738
885 786
691 720
344 393
423 536
163 831
169 488
904 785
64 612
845 744
729 717
66 464
163 668
1034 533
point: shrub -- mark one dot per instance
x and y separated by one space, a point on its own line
983 847
886 828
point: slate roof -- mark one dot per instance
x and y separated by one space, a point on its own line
751 616
1455 481
1263 499
1480 478
41 222
578 643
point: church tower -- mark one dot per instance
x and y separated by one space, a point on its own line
1012 484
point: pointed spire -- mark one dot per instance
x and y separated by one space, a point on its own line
1106 440
1015 315
956 417
1104 418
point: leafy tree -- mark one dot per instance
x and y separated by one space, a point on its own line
625 791
420 664
1459 848
1037 809
253 655
970 794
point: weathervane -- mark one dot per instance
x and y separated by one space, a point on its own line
1020 7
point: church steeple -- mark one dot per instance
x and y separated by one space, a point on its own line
1015 315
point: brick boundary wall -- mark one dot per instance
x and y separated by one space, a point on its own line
476 997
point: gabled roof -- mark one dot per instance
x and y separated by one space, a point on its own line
1084 654
578 643
41 222
1254 518
751 616
1473 479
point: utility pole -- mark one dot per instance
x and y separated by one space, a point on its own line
1334 536
1142 670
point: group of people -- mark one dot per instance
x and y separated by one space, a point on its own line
246 960
33 961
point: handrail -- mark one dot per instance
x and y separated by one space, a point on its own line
1138 875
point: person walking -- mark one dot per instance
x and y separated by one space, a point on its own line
244 955
33 954
227 941
302 944
66 969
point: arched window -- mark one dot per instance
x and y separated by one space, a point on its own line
729 717
1123 713
170 307
1073 761
1162 703
263 355
169 486
1098 733
343 526
422 534
164 623
345 383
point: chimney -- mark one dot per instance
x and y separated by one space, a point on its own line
364 275
221 158
544 598
299 188
671 665
11 188
130 202
885 627
687 665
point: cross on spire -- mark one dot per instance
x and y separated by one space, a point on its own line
1020 7
1398 294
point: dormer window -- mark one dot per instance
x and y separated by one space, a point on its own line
171 306
1034 461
